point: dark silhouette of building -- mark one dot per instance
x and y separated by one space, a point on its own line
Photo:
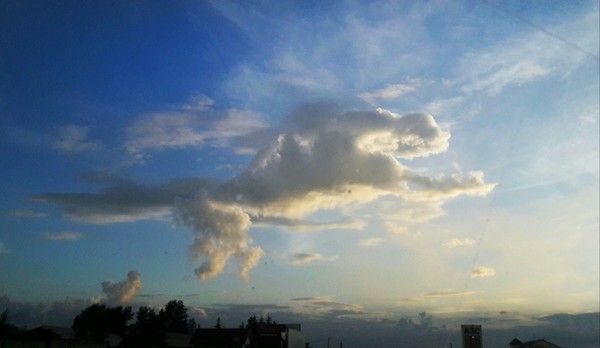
260 336
471 336
540 343
221 338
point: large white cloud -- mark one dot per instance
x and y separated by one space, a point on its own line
321 159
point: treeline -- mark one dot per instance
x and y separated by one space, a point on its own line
149 329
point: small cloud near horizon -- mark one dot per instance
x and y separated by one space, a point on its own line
371 242
306 258
459 242
443 293
23 213
481 272
64 236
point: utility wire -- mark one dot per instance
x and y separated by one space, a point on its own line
540 28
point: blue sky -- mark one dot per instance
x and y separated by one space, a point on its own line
371 157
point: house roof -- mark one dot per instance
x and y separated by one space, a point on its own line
178 340
539 343
220 337
515 342
50 333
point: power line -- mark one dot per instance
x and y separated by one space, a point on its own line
540 28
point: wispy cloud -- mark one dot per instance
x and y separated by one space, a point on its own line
448 293
75 139
525 58
191 125
198 103
413 212
371 242
379 47
493 82
300 225
411 300
395 229
482 272
64 236
24 213
390 92
313 299
306 258
326 306
459 242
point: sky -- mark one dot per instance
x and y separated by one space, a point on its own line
350 159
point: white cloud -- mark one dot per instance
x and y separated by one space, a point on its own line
164 130
493 82
123 291
459 242
390 92
220 233
198 312
411 212
395 229
292 70
371 242
325 306
191 125
306 258
322 160
481 272
64 236
198 103
75 139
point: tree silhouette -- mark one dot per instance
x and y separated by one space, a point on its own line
147 330
174 317
426 322
95 322
6 328
192 326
